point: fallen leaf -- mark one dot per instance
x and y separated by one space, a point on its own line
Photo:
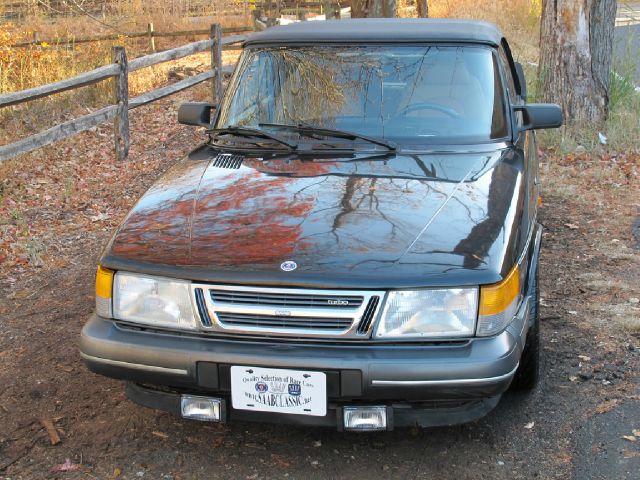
571 226
48 425
607 406
280 460
67 466
161 435
100 217
573 378
217 442
529 425
631 438
584 358
636 432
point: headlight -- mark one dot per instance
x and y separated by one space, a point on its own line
156 301
449 312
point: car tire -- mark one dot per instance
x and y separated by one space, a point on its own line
528 373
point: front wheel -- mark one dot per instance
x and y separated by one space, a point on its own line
528 373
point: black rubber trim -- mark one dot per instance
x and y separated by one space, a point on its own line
367 317
202 308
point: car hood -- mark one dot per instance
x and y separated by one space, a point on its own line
393 221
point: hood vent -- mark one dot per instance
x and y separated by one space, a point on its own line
228 160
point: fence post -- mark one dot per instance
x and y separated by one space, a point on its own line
152 40
216 62
121 100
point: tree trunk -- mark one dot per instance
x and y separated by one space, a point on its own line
389 8
358 8
373 8
576 46
423 8
376 8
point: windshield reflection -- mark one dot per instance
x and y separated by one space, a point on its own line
442 94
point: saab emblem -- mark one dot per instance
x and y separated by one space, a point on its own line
295 389
288 266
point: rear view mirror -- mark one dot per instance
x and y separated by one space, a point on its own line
196 113
541 115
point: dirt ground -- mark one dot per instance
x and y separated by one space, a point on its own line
58 208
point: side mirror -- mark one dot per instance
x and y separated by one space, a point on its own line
540 115
196 113
522 80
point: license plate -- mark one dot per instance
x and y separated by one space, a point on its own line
278 390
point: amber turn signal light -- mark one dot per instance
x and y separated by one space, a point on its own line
496 298
104 282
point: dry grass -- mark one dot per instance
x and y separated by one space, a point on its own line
519 20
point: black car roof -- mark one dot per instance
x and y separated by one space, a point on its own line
380 30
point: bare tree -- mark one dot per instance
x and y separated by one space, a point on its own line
359 8
576 46
389 8
423 8
373 8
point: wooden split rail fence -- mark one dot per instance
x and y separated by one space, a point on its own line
119 111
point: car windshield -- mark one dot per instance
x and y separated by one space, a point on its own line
408 94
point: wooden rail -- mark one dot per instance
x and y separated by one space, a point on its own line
119 111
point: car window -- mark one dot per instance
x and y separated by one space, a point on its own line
407 93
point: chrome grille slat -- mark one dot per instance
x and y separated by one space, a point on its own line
287 311
284 300
284 322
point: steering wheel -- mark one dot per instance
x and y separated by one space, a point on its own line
430 106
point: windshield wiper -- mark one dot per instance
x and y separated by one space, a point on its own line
250 132
310 130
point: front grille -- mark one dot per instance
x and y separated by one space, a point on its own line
286 311
284 299
267 321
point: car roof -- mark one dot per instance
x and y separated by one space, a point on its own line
380 30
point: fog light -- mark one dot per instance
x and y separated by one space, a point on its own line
201 408
365 419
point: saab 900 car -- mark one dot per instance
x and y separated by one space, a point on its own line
355 245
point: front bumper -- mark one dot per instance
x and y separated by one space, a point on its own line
432 384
